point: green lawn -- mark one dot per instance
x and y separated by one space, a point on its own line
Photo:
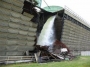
79 62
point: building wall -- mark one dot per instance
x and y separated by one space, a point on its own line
75 36
17 32
75 33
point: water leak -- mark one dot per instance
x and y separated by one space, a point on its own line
47 35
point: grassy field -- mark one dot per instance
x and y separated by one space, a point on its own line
78 62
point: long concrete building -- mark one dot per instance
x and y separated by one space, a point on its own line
18 32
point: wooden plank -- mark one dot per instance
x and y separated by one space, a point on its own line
15 14
17 20
21 42
33 24
10 30
25 42
28 15
16 53
16 9
11 47
3 41
25 23
23 27
22 37
25 18
25 48
12 36
2 54
30 38
2 48
3 23
4 17
14 2
11 7
11 42
32 29
23 32
3 4
4 11
31 43
3 35
3 29
10 12
31 34
14 25
21 1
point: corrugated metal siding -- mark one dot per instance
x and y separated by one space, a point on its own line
75 37
17 33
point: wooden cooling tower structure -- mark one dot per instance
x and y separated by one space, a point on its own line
21 25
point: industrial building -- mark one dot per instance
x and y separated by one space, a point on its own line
20 26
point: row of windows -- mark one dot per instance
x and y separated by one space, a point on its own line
75 21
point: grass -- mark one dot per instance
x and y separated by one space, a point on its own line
78 62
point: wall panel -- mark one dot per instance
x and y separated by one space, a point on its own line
76 36
17 32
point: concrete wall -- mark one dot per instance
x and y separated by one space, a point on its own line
17 32
75 37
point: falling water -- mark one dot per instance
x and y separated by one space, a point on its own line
47 36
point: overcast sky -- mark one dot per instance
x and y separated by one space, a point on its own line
81 7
